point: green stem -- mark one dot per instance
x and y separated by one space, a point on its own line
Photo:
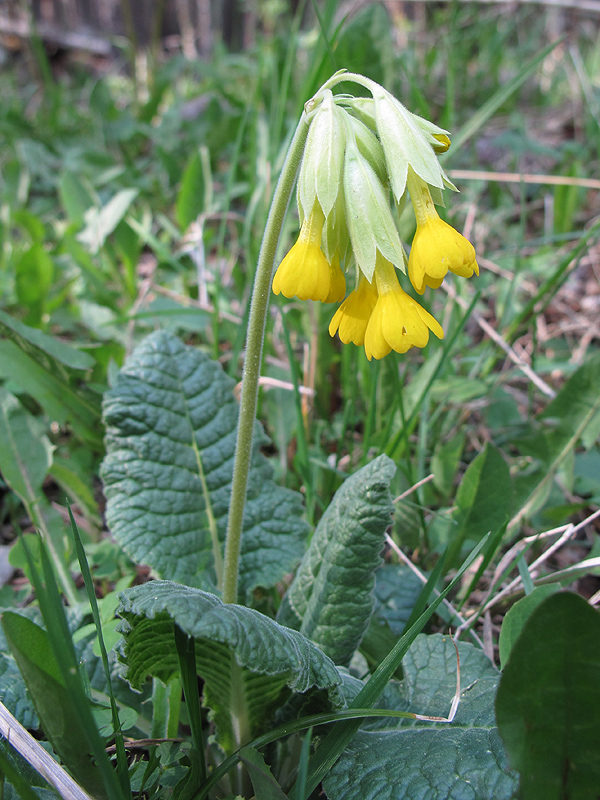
253 359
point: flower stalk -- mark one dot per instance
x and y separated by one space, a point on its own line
353 155
253 358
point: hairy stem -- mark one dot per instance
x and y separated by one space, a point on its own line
253 358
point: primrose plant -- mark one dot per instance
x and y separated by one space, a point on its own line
184 475
317 691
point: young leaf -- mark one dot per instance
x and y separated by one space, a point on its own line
390 758
332 593
484 500
548 701
249 663
171 430
264 784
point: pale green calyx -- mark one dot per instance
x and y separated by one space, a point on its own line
370 148
321 171
405 143
368 216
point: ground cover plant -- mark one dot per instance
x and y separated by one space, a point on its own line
376 577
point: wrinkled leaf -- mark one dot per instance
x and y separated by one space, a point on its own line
171 431
390 759
249 663
332 593
548 701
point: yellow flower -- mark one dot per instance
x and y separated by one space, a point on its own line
397 322
352 317
305 272
436 247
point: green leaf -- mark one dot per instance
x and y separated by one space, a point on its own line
25 457
548 701
249 663
332 593
190 200
445 462
264 784
58 715
390 758
484 500
47 381
171 431
101 222
33 279
44 349
25 452
13 691
76 197
517 616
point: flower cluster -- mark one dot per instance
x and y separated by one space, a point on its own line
357 150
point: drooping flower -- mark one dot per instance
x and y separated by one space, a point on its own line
352 317
397 322
305 272
437 247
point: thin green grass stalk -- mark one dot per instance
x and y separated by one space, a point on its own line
337 740
122 767
286 74
55 620
174 709
374 373
186 653
488 554
296 726
160 709
253 360
420 471
303 763
303 461
483 114
391 450
549 288
348 374
516 267
325 18
398 383
427 591
525 574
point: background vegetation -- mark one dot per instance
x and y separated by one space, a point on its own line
136 202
